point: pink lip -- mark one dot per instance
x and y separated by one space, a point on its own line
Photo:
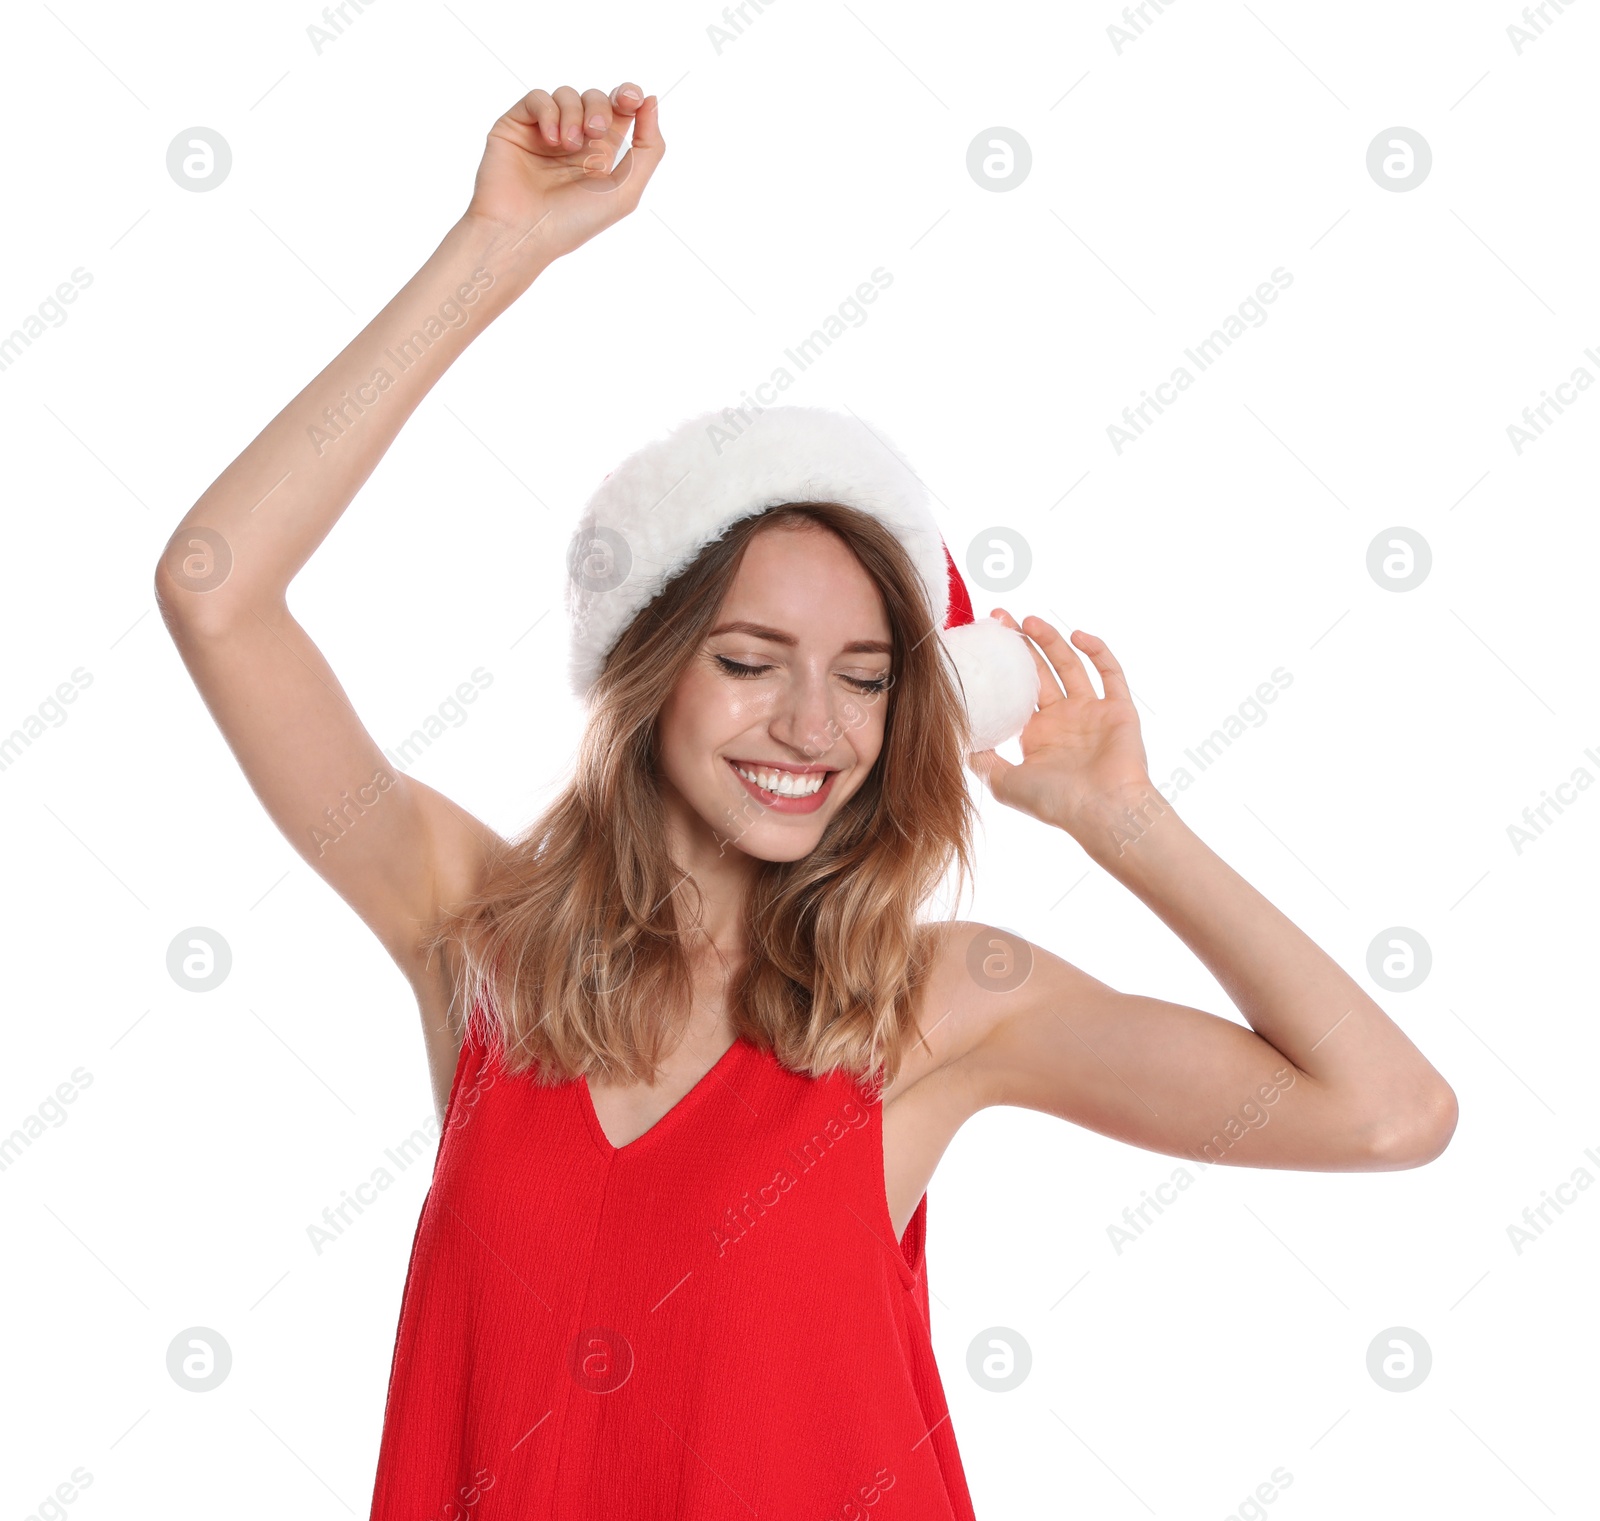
776 802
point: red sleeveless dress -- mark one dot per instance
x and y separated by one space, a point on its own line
714 1321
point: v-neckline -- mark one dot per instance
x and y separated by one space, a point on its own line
715 1072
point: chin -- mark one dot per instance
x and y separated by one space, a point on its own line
763 844
763 837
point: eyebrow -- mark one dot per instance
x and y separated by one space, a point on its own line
777 636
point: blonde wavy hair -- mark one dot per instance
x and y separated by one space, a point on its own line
574 938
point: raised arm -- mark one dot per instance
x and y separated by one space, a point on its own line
394 849
1322 1080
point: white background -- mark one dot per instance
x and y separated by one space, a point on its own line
1168 180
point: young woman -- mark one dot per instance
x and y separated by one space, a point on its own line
695 1052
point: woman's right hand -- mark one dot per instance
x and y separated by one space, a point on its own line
547 171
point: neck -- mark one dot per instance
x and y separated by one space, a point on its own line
722 873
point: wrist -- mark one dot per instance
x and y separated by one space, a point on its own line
512 258
1111 825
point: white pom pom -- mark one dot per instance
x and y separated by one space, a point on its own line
998 677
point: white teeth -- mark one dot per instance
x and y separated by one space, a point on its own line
785 783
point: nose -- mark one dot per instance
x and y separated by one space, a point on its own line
807 719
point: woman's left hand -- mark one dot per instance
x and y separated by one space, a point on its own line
1082 754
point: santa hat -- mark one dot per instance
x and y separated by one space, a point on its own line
665 502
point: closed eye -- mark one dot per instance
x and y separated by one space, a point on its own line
734 668
744 672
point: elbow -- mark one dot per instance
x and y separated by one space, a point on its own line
161 581
169 600
173 599
1419 1135
188 589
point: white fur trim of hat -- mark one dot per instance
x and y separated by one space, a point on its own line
666 501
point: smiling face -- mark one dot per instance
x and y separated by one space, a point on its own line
779 716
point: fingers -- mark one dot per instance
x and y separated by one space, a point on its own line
1065 660
1111 677
626 98
596 113
567 120
1068 665
538 108
1049 690
635 167
647 128
562 124
987 765
570 104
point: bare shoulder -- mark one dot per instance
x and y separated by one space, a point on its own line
956 1063
983 981
953 1019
